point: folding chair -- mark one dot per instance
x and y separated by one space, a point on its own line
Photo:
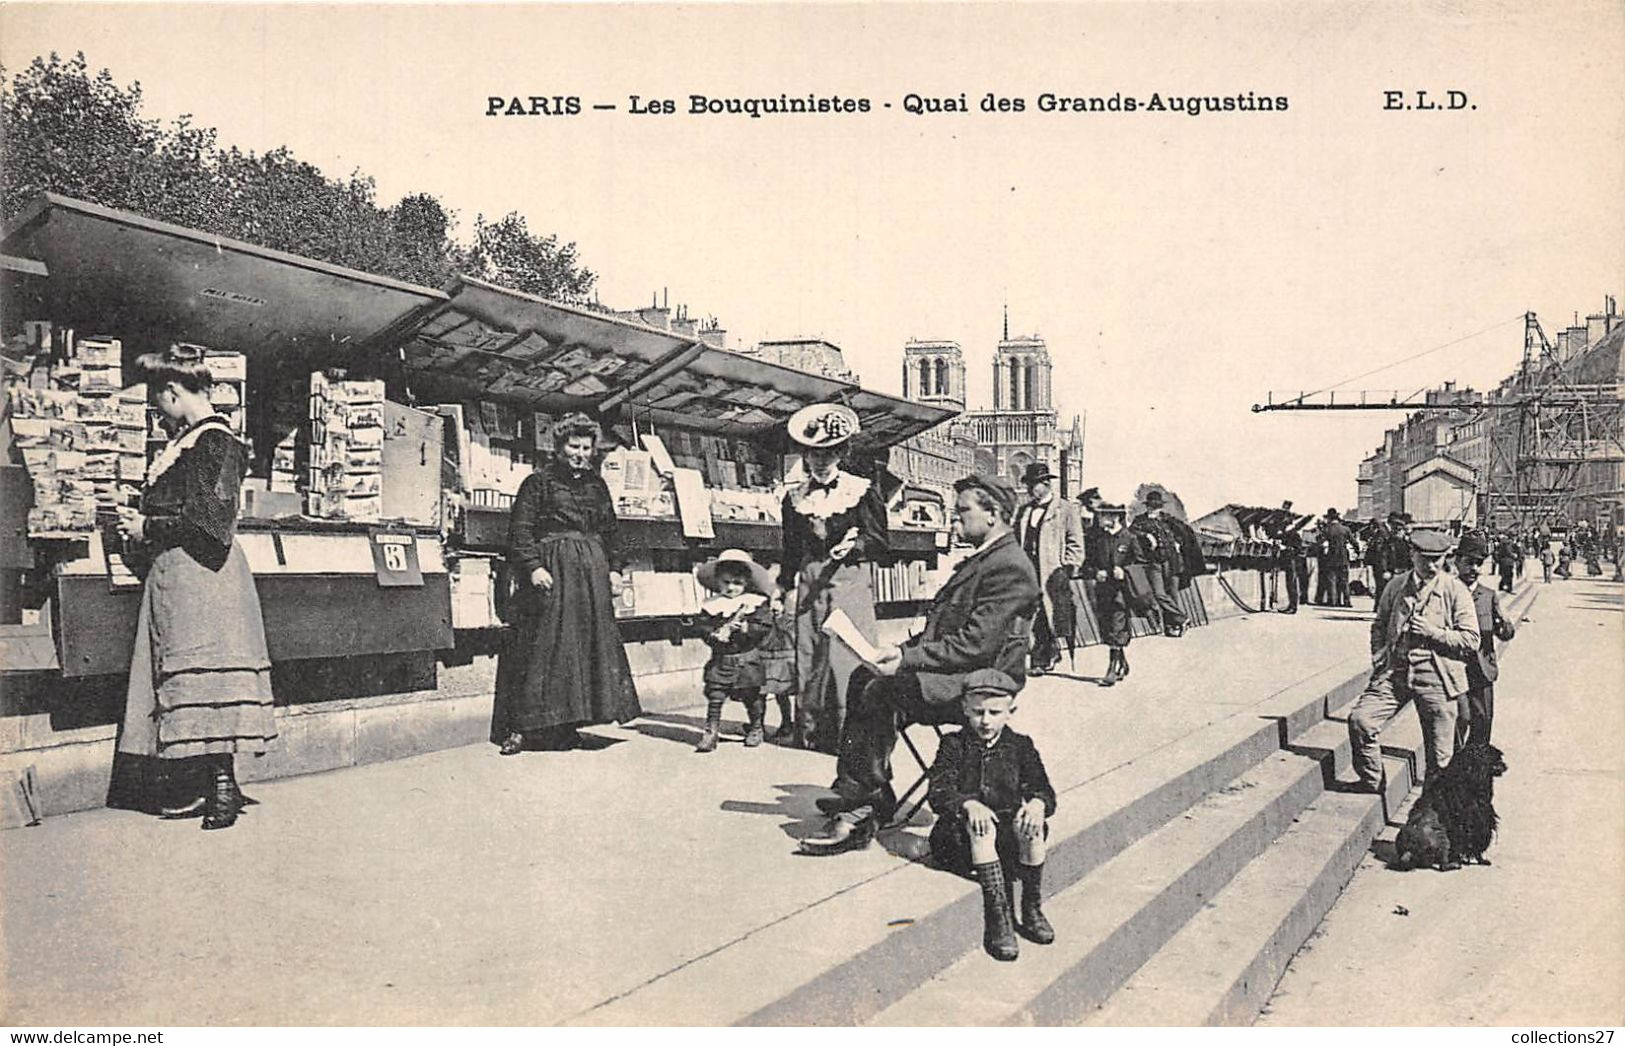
921 784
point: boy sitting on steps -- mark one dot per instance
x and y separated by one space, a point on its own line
993 801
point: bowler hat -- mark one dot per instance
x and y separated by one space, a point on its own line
1473 546
1332 514
1037 472
761 579
1154 499
1431 542
823 425
1396 517
990 681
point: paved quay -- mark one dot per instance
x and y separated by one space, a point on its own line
638 883
1538 938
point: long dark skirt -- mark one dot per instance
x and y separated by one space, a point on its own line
564 664
1111 611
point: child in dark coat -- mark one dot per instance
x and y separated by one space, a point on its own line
733 623
993 800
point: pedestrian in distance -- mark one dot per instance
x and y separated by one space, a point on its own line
1166 564
993 801
1425 629
1110 549
1548 559
1475 712
564 665
1338 541
1051 533
733 622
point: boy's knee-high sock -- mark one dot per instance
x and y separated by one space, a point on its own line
755 712
1037 927
998 922
713 723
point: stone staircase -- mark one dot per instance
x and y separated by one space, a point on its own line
1180 884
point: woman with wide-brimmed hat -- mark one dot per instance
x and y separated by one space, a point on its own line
834 528
564 665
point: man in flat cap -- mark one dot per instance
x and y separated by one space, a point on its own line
980 618
1425 630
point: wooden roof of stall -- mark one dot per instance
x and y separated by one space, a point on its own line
151 283
490 342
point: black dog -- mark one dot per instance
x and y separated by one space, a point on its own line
1454 819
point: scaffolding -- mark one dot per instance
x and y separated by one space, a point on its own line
1553 429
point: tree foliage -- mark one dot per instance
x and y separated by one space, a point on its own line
67 131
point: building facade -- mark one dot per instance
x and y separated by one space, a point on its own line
1023 427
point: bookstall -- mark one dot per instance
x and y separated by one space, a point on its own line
699 460
390 426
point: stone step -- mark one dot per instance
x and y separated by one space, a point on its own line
1222 966
1117 916
843 958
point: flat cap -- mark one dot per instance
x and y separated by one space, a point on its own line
1431 542
1001 492
990 681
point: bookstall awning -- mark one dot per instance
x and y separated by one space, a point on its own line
151 283
487 342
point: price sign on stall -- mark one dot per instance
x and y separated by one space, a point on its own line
395 559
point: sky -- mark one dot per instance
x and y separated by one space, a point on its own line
1179 267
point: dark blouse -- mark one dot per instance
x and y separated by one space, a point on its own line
803 545
1001 777
193 504
1103 551
555 500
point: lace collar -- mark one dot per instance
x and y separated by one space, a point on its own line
720 606
180 444
822 504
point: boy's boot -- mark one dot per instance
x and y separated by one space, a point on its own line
1033 924
998 923
1122 663
755 711
1112 674
713 725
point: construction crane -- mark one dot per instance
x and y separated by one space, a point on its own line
1544 430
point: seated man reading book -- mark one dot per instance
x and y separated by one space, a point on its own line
980 619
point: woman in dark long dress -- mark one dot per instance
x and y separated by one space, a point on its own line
1109 549
834 528
564 666
200 677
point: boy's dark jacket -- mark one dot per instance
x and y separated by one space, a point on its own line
1002 776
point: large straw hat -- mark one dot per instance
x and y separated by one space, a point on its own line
823 425
761 579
